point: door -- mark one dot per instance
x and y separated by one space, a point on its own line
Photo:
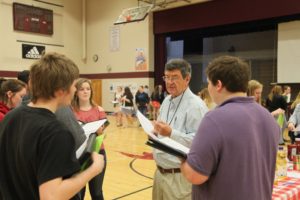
97 89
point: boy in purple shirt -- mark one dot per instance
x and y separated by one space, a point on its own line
233 154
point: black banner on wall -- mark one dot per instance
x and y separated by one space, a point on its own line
32 51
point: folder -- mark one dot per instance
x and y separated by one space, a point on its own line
165 144
94 143
280 120
90 128
166 148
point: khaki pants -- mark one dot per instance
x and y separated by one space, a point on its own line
171 187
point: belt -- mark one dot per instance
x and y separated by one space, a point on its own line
168 171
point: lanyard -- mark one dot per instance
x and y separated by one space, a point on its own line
175 109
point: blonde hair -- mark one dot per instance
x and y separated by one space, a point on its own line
205 96
252 86
296 102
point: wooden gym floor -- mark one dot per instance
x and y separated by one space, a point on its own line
130 166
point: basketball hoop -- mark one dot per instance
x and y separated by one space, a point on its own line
128 18
133 14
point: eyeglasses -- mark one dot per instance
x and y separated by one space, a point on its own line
170 78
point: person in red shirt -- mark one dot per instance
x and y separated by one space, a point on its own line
86 110
11 93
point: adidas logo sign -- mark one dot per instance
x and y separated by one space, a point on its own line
33 53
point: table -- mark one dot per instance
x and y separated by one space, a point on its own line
287 189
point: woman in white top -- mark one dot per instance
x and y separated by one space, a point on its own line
117 105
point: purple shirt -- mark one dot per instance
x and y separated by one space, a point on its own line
236 147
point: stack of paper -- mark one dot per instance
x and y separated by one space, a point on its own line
165 144
92 127
89 128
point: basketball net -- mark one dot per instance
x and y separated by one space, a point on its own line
128 18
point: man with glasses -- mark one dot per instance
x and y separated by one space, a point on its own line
233 154
180 115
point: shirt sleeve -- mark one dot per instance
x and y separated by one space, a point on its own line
294 118
56 156
67 117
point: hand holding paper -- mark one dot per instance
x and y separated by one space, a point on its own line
92 127
165 144
94 143
146 124
162 128
297 129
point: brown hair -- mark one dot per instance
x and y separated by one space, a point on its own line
12 85
276 90
51 73
75 101
233 72
296 102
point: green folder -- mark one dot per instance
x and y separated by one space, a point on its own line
93 145
280 120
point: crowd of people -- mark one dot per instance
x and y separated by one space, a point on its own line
232 135
125 103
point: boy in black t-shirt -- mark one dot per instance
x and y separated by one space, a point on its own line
37 152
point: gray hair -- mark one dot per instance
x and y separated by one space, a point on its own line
179 64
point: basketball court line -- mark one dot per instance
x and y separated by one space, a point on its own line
126 195
131 167
129 170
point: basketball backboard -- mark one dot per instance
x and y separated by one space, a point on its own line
134 14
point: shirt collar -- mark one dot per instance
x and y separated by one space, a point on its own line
238 100
176 100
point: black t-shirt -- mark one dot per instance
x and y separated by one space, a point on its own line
34 148
130 98
277 102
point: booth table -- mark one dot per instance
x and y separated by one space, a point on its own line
287 189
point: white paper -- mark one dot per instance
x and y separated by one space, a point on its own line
80 150
148 128
92 127
89 128
114 38
293 174
114 102
172 143
146 124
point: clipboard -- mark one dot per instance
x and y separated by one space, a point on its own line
164 144
94 143
90 128
165 148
